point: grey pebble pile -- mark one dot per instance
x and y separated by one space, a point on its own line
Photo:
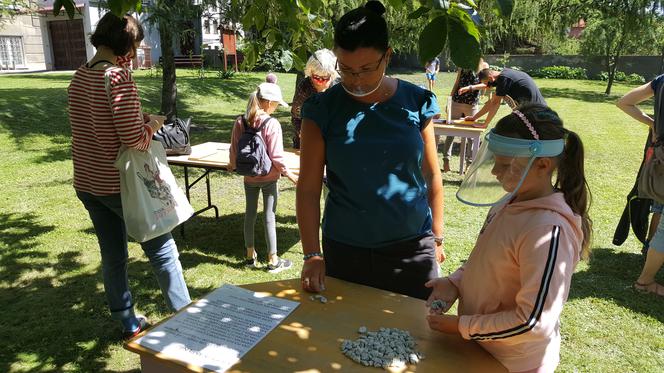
385 348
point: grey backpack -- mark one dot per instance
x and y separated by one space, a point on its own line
252 158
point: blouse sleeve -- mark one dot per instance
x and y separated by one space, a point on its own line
126 110
429 108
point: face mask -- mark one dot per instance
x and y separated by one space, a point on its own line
359 92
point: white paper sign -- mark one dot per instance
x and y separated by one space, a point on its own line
216 331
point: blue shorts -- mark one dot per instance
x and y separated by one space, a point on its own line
656 207
430 76
657 241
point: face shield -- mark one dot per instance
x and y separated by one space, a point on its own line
500 167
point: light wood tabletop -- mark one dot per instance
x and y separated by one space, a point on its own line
309 339
215 155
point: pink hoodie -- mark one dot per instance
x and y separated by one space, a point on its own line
516 280
272 136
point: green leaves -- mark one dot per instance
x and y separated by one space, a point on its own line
118 7
456 27
432 39
464 39
419 12
286 60
505 7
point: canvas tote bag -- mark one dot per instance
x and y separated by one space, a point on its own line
152 202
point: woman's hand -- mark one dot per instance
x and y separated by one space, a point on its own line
313 274
443 289
470 118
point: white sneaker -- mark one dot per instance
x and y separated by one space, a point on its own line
282 264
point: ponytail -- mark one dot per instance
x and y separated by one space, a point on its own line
255 107
571 180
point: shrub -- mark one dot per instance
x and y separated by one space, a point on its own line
622 77
560 72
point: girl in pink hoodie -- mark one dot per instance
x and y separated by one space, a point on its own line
512 288
262 103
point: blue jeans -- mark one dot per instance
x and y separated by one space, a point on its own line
106 215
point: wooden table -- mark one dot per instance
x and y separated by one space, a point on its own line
463 129
211 156
308 340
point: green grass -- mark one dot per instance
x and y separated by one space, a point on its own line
54 316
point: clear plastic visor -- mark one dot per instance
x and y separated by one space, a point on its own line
493 178
500 167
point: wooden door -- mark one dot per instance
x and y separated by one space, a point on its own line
68 44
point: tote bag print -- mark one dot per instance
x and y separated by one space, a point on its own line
152 202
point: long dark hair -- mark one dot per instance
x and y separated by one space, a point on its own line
570 178
363 27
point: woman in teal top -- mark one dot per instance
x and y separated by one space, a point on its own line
383 217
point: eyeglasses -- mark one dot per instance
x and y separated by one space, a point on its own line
345 72
320 79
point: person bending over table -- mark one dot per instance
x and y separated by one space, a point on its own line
514 87
383 218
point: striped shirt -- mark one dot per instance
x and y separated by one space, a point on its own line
101 122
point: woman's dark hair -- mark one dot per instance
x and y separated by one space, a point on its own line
570 179
363 27
119 34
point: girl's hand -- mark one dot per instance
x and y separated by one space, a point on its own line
313 274
463 90
444 290
444 323
292 177
470 118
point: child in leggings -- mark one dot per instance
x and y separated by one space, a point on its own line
512 288
262 103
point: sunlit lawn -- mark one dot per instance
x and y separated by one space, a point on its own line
54 316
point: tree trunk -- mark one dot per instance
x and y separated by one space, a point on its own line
169 87
661 64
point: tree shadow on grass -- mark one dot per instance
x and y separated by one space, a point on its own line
36 111
610 275
55 316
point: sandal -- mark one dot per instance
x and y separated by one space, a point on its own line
652 287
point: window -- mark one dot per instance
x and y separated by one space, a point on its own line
11 51
206 27
215 24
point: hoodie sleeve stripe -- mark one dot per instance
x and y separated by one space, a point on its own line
541 295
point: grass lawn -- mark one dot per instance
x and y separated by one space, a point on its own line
54 316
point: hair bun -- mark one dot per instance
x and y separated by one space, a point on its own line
375 6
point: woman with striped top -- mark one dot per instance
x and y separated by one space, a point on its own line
105 114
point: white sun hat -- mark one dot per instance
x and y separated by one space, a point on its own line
272 92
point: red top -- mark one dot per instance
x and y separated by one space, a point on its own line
100 123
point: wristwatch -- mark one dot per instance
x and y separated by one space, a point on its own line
439 240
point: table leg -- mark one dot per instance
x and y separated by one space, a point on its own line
462 155
188 186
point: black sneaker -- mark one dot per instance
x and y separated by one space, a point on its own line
142 325
251 263
281 265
